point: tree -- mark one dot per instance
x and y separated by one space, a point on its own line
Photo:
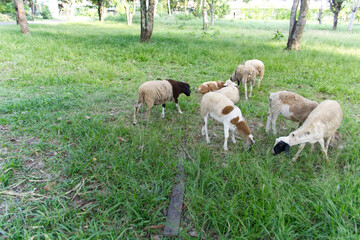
335 7
68 5
297 25
355 6
101 4
320 11
20 12
205 16
129 12
147 19
221 8
169 7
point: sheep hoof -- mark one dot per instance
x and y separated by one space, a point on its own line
134 123
162 115
180 112
226 149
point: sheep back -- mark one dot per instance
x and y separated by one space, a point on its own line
299 106
258 65
216 103
230 92
155 92
210 86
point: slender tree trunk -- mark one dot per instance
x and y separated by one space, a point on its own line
354 9
147 19
129 14
205 16
335 7
320 13
100 11
185 7
297 26
212 10
169 7
17 13
155 6
24 27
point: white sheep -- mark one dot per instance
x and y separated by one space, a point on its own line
231 91
321 123
160 92
260 68
245 74
219 107
290 105
210 86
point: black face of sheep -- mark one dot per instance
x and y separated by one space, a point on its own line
281 147
187 90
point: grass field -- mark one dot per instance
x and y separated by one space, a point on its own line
72 166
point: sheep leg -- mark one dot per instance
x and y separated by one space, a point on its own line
244 83
178 107
148 114
163 110
312 147
136 111
299 151
322 144
204 130
251 88
233 137
260 78
226 133
269 119
274 119
328 142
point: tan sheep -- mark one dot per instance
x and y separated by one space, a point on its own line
245 74
160 92
321 123
290 105
260 68
231 91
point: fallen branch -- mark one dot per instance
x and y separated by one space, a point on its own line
24 194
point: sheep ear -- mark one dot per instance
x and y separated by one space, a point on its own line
287 150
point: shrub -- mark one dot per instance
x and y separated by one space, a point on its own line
45 12
5 18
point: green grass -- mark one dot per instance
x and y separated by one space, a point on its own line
102 178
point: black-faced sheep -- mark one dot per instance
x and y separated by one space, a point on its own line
210 86
260 68
321 123
160 92
290 105
219 107
245 74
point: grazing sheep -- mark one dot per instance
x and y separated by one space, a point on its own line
260 68
245 73
231 91
321 123
210 86
219 107
160 92
291 105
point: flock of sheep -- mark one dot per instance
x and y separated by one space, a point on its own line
318 121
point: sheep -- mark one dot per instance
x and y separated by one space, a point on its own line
245 73
210 86
260 68
219 107
321 123
291 105
160 92
231 91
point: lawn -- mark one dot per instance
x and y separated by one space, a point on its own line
72 165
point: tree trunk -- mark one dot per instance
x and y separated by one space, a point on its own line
129 14
297 26
17 13
212 10
354 9
205 16
22 17
147 19
169 7
335 7
185 7
155 6
100 11
320 13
